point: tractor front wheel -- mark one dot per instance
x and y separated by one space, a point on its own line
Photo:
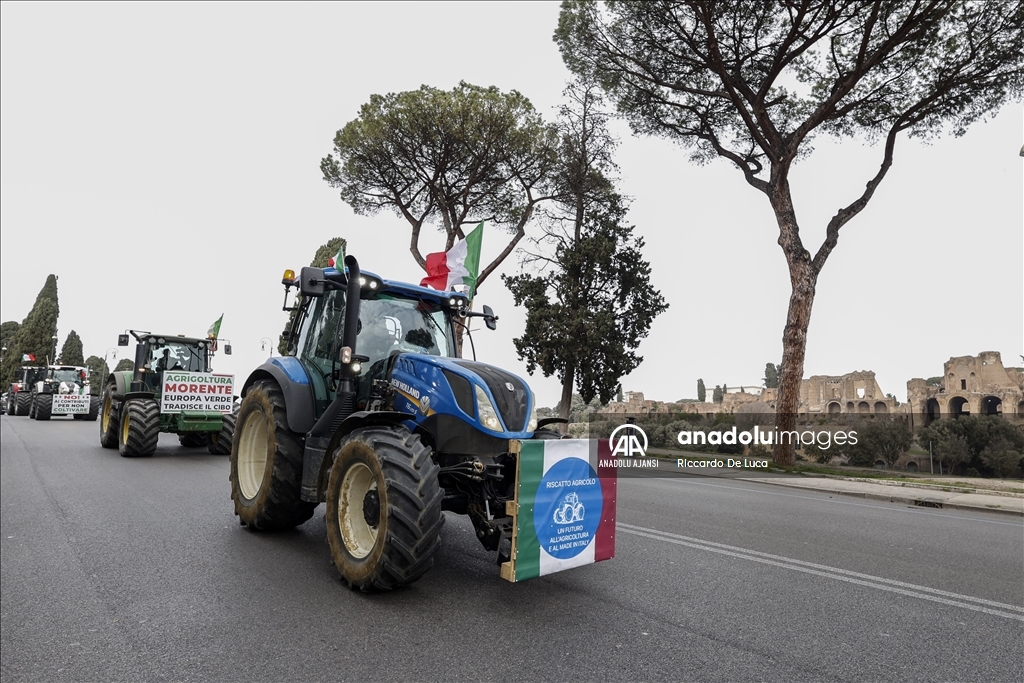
109 420
140 428
266 463
220 442
383 508
94 409
43 406
23 403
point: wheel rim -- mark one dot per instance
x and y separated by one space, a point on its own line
125 419
357 532
106 414
252 454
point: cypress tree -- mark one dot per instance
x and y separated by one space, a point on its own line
35 334
72 353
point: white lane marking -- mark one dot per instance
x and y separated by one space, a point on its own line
877 582
818 498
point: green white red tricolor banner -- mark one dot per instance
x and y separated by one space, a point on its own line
565 512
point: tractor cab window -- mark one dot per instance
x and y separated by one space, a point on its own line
68 375
178 356
389 325
320 336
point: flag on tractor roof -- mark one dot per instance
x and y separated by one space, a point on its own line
214 330
28 357
338 260
460 265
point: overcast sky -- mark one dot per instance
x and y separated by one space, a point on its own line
178 146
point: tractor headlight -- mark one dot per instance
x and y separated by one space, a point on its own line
532 424
485 411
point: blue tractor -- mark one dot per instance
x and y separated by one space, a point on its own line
374 413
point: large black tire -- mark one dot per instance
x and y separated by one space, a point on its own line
220 442
383 508
266 463
140 428
192 439
23 403
43 406
111 421
94 408
12 401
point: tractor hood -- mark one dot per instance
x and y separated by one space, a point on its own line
492 400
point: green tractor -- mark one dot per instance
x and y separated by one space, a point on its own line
63 390
172 390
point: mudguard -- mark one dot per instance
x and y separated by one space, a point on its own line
289 374
122 382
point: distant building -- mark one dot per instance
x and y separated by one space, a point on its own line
854 392
971 385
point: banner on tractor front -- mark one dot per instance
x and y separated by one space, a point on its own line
565 511
70 404
196 391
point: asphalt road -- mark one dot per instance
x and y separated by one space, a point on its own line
136 570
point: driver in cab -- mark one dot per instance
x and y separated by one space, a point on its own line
167 362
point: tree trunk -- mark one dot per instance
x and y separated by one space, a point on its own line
566 403
803 277
794 345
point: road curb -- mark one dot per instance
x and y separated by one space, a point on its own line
920 501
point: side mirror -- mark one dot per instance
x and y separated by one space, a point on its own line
227 349
122 340
311 281
490 319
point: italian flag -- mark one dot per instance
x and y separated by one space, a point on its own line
214 330
338 260
28 357
458 266
566 513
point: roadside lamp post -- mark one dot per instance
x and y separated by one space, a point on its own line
110 353
55 349
265 343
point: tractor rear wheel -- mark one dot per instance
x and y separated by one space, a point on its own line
110 420
12 401
383 508
192 439
23 403
266 463
140 428
220 442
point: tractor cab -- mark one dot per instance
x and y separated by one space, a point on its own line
156 354
64 379
393 319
